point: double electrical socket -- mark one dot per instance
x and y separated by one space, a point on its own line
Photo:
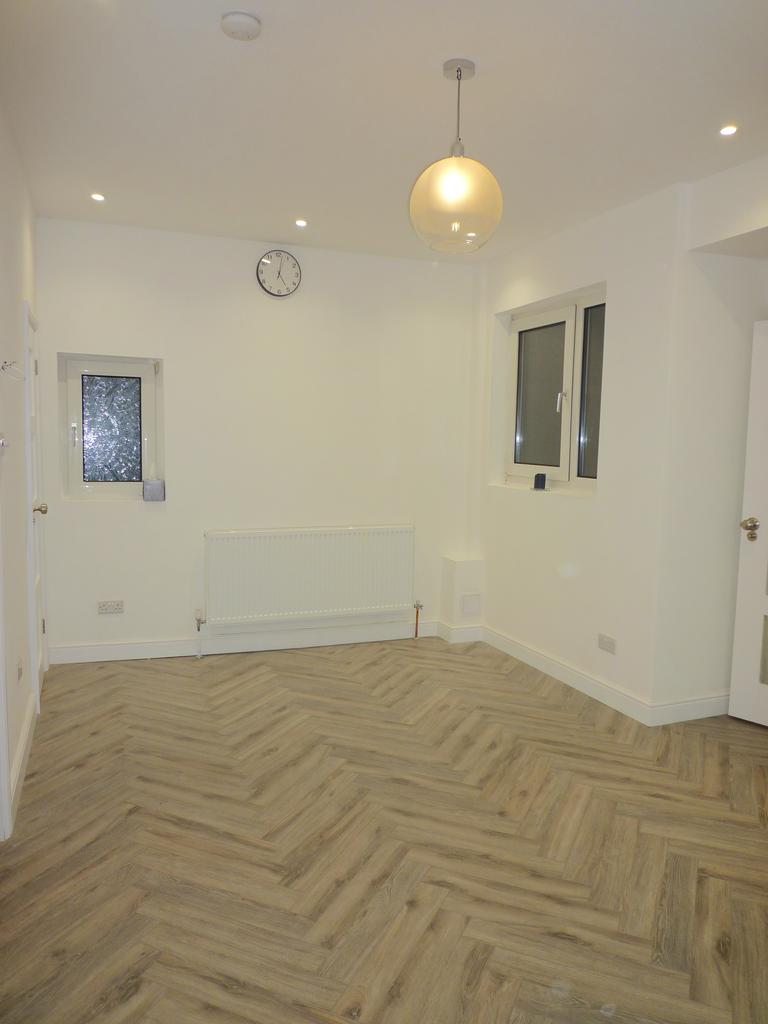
110 607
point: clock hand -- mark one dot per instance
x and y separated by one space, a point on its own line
280 270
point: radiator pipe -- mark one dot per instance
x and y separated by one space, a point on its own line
418 606
199 622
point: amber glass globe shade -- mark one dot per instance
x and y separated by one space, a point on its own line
456 205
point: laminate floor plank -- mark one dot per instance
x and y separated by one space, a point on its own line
408 832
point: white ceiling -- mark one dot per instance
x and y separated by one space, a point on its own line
578 106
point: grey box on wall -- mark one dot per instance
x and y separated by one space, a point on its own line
154 490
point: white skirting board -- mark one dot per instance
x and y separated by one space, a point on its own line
232 642
367 632
318 636
128 650
600 689
19 767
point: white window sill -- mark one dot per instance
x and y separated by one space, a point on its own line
582 488
107 498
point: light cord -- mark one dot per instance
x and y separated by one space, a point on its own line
458 105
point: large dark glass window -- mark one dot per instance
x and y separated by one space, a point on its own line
591 389
538 429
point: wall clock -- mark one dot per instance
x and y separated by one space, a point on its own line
279 273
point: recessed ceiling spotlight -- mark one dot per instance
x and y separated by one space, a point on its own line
97 197
729 129
301 223
240 25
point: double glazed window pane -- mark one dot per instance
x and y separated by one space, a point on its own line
540 362
111 428
591 387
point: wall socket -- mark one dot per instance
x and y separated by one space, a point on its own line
110 607
606 643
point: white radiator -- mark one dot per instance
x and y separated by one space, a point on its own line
264 576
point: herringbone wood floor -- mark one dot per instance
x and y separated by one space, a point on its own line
395 832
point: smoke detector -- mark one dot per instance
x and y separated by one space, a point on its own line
240 25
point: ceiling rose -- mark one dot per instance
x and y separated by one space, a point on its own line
240 25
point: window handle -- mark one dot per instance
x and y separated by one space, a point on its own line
560 396
74 435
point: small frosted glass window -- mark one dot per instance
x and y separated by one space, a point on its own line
540 361
591 390
111 428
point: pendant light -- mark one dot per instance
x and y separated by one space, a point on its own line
456 203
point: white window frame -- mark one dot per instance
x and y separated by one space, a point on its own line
518 326
573 317
72 369
578 365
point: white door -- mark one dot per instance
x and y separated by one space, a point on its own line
6 818
749 672
38 647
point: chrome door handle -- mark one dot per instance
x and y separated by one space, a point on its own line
42 508
751 526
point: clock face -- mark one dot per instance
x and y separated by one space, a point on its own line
279 273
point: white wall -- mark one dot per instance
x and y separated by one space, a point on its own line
16 286
563 567
730 206
649 557
346 403
717 301
366 398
